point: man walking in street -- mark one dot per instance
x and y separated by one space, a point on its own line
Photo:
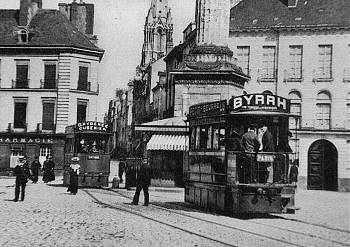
35 167
143 181
22 173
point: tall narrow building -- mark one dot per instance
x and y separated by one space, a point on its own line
158 32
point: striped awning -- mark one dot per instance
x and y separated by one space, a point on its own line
168 142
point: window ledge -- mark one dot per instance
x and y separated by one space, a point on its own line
346 80
30 89
84 92
267 80
293 80
323 79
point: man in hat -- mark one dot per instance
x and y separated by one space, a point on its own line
74 176
268 145
35 167
143 181
22 173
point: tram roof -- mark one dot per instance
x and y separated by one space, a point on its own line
264 113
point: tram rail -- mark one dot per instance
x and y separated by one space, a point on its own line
330 242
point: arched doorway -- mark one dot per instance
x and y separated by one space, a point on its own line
322 166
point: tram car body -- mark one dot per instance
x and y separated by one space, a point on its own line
88 141
221 175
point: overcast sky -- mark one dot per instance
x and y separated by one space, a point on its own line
119 26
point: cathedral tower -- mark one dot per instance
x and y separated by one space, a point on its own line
158 32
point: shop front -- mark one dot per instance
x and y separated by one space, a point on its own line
13 145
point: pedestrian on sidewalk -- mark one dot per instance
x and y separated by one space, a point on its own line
35 167
121 169
22 173
143 181
48 168
74 176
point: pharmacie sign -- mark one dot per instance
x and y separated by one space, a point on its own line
92 126
26 140
264 102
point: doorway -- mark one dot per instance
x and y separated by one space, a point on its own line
322 166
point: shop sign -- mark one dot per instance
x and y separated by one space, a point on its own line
26 140
265 158
265 102
93 157
92 126
208 109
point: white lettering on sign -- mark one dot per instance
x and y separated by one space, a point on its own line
237 102
265 158
259 102
26 140
93 126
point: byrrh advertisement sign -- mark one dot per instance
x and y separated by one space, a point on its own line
266 102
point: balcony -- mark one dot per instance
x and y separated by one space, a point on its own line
46 128
346 75
84 86
20 84
292 77
17 127
264 76
48 84
322 77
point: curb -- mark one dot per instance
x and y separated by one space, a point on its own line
151 189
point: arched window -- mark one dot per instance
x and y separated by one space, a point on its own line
323 111
295 109
159 39
22 35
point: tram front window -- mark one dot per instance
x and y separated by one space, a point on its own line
91 145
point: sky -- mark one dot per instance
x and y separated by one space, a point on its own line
119 26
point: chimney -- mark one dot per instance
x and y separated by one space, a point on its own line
27 10
81 15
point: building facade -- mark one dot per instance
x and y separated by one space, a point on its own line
49 79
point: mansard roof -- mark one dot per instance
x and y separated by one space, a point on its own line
266 14
48 28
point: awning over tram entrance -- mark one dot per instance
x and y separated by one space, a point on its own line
168 142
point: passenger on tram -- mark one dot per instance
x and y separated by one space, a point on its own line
250 144
268 145
283 165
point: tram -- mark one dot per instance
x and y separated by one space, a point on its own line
221 175
88 141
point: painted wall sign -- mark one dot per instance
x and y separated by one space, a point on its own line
93 126
265 102
208 109
26 140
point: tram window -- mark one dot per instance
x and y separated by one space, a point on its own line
222 139
203 137
209 141
197 137
216 138
92 146
193 138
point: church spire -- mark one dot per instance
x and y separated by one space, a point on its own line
158 32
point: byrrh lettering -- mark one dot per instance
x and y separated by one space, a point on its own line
263 101
237 103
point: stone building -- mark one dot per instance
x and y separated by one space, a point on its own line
49 79
300 50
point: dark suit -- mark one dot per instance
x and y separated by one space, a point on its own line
268 143
143 181
35 166
22 174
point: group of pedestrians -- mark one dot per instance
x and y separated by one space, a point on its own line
25 172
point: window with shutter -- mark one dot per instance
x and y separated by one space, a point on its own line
20 115
48 122
50 76
81 112
83 78
21 76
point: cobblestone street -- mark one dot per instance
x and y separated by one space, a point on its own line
50 216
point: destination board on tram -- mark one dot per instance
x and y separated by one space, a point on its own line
264 102
92 126
208 109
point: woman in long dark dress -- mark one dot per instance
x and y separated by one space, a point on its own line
48 168
74 176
